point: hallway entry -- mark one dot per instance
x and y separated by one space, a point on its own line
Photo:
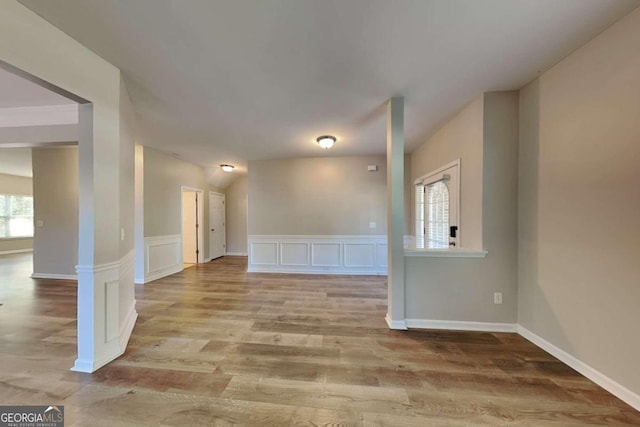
192 237
217 237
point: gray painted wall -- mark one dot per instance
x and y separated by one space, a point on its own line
236 198
20 185
55 195
37 135
579 203
460 138
317 196
485 136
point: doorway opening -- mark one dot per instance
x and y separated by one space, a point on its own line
192 232
217 233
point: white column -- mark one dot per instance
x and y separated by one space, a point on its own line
395 213
99 238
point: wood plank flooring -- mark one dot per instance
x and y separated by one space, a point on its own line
216 346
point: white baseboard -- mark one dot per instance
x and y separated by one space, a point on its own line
54 276
89 366
400 325
311 271
163 273
593 374
16 251
236 254
127 326
460 325
613 387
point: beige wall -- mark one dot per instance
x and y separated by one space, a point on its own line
317 196
12 184
461 289
20 185
236 198
55 195
164 177
460 138
41 134
579 199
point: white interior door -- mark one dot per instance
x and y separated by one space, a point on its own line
217 235
189 228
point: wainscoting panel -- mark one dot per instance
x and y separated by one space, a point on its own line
318 254
294 254
263 253
163 256
359 255
111 310
325 254
381 255
106 312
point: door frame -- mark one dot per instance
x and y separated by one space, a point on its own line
200 212
224 222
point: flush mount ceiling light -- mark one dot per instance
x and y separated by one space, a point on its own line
326 141
227 168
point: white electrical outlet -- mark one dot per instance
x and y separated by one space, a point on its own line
122 234
372 224
497 298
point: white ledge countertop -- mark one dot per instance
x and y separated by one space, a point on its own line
445 253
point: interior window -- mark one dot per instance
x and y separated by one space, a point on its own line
436 208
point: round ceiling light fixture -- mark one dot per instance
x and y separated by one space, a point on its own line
227 168
326 141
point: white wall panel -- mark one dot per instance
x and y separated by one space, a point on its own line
360 254
325 254
294 254
163 256
318 254
111 309
264 253
381 255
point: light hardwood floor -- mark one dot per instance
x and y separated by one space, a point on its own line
217 346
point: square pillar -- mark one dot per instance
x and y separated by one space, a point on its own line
395 214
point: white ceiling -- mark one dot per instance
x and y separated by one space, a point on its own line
221 81
16 161
18 92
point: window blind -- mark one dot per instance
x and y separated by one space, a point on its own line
437 221
420 216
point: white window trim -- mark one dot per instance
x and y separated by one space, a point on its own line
432 177
435 176
445 253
